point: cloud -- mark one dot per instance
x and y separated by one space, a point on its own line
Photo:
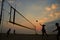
55 15
52 16
48 8
52 7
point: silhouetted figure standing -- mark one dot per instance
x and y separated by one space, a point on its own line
44 34
58 29
8 32
0 19
14 32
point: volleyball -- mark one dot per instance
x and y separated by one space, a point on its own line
36 20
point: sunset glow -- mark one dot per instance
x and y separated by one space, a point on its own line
44 11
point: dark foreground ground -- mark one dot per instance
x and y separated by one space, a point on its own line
26 37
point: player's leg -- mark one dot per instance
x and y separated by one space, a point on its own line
57 36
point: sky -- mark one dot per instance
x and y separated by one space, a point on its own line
45 11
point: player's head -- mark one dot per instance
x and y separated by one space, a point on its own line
57 24
43 25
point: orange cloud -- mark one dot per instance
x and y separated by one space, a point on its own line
55 15
54 6
48 8
52 16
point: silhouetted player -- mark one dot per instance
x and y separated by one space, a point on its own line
44 34
14 32
0 19
8 32
58 29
